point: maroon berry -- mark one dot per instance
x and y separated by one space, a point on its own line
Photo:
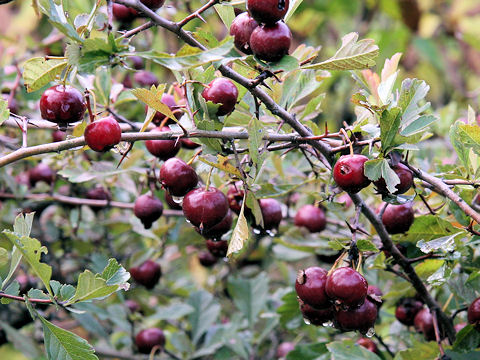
217 231
310 287
99 193
407 309
178 177
271 213
168 100
124 13
312 217
222 91
58 135
271 42
268 11
11 103
103 134
361 318
132 306
207 259
147 339
241 29
375 295
62 105
423 322
316 317
398 218
367 344
137 62
23 178
406 180
346 286
189 144
147 274
217 248
235 195
205 208
474 313
41 172
284 349
348 173
172 204
146 78
148 209
153 4
163 149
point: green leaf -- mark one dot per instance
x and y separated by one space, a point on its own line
457 141
256 131
467 339
294 4
57 17
290 315
419 351
240 233
379 168
412 92
287 63
308 352
249 295
470 136
366 245
444 243
171 312
418 125
62 292
38 72
428 267
226 13
389 126
21 342
353 55
430 227
12 289
61 344
4 111
96 52
206 311
348 350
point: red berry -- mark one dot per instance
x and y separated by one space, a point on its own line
132 306
271 42
268 11
58 135
348 173
474 313
423 322
168 100
147 339
271 213
11 103
146 78
398 218
124 13
172 204
103 134
222 91
153 4
310 287
217 231
178 177
241 29
147 274
217 248
407 309
99 193
361 318
367 344
346 286
205 208
284 349
189 144
312 217
62 104
148 209
315 316
406 180
163 149
207 259
137 62
41 172
235 195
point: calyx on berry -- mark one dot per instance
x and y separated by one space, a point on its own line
147 273
205 208
348 173
406 180
268 11
312 217
163 149
62 105
222 91
103 134
346 286
398 218
147 339
241 29
178 177
271 42
148 209
310 287
235 196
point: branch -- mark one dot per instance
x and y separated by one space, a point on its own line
20 298
197 13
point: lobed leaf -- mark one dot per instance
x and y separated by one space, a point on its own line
38 72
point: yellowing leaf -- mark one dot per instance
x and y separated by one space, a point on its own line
240 233
38 72
153 100
223 165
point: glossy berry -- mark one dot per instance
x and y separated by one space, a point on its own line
268 11
205 208
271 42
235 195
367 344
207 259
348 173
241 29
103 134
312 217
147 339
406 180
310 287
98 193
153 4
423 322
217 248
375 295
163 149
284 349
189 144
58 135
148 209
147 274
474 313
217 231
314 316
398 218
178 177
222 91
407 309
41 172
62 105
146 78
271 213
132 306
360 318
168 100
124 13
346 286
171 203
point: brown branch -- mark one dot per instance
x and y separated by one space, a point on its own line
197 13
20 298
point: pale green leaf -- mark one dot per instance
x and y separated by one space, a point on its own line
240 233
256 132
4 111
379 168
38 72
348 350
206 311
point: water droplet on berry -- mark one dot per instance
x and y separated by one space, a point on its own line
370 333
271 233
256 231
328 323
306 321
178 200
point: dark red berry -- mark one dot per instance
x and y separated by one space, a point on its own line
222 91
348 173
268 11
235 195
171 203
124 13
310 287
11 103
99 193
207 259
147 274
271 42
163 149
132 306
153 4
406 180
147 339
284 349
58 135
271 213
217 248
168 100
41 172
148 209
312 217
178 177
103 134
217 231
346 286
367 344
375 295
423 322
360 318
137 62
474 313
407 309
205 208
398 218
241 29
62 104
189 144
314 316
145 78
